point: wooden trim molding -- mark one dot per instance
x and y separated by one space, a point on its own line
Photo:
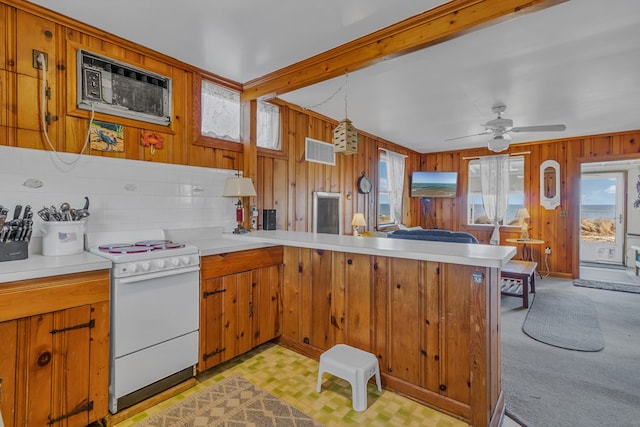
445 22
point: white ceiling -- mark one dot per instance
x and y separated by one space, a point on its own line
576 63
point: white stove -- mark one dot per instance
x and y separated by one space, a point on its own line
155 287
141 252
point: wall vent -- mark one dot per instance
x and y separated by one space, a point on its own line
319 152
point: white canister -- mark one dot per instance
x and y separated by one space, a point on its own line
63 237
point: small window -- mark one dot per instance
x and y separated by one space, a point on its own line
268 126
220 112
385 215
475 208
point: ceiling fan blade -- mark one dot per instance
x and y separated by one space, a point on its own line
488 131
542 128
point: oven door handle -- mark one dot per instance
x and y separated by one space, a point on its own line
150 276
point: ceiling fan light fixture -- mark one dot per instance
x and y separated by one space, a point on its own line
499 143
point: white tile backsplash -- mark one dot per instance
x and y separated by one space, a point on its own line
123 194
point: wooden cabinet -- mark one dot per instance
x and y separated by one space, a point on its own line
240 306
433 326
54 356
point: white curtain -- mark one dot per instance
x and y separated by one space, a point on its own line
268 126
395 183
494 176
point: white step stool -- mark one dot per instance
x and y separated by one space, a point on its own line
353 365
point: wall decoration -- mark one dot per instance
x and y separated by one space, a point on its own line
106 136
550 184
152 140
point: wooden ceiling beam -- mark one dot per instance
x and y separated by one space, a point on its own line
450 20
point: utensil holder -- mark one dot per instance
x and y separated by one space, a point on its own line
13 251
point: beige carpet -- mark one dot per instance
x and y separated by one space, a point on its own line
233 401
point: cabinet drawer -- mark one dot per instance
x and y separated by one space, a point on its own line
52 294
236 262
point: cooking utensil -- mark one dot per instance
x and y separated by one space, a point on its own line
86 203
44 214
65 209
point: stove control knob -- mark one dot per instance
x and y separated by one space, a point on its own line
175 261
132 268
145 266
160 263
186 260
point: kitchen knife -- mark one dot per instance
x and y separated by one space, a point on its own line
3 215
16 212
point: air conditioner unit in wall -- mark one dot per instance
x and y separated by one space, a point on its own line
112 87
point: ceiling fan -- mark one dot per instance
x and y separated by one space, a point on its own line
501 128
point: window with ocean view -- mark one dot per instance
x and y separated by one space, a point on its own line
385 217
475 208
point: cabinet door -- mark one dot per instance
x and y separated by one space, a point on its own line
225 318
45 367
242 305
211 323
8 370
266 304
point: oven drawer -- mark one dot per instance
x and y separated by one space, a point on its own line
135 371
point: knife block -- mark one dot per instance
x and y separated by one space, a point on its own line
13 251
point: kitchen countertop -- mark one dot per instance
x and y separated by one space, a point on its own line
454 253
37 266
211 243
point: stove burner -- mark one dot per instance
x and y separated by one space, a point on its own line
129 249
168 246
109 246
153 243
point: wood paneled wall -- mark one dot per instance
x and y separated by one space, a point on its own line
287 183
560 227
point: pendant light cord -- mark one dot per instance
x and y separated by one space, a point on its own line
343 86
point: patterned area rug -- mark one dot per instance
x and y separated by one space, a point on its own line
621 287
233 401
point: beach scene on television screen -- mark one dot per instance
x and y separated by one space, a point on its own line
434 185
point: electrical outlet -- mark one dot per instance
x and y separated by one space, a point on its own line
547 250
36 61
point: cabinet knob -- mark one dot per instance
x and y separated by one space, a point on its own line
443 387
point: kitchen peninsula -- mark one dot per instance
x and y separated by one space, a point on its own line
429 311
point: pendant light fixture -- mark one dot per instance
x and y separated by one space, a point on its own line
345 135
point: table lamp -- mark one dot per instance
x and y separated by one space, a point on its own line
522 215
358 221
239 187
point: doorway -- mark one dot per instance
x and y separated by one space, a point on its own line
602 217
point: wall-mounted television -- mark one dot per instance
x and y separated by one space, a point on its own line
434 184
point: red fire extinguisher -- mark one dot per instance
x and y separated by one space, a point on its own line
239 212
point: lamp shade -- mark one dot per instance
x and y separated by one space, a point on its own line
358 220
238 187
522 213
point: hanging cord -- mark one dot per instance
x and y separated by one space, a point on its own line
43 64
346 80
344 86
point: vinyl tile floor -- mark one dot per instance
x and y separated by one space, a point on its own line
292 378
